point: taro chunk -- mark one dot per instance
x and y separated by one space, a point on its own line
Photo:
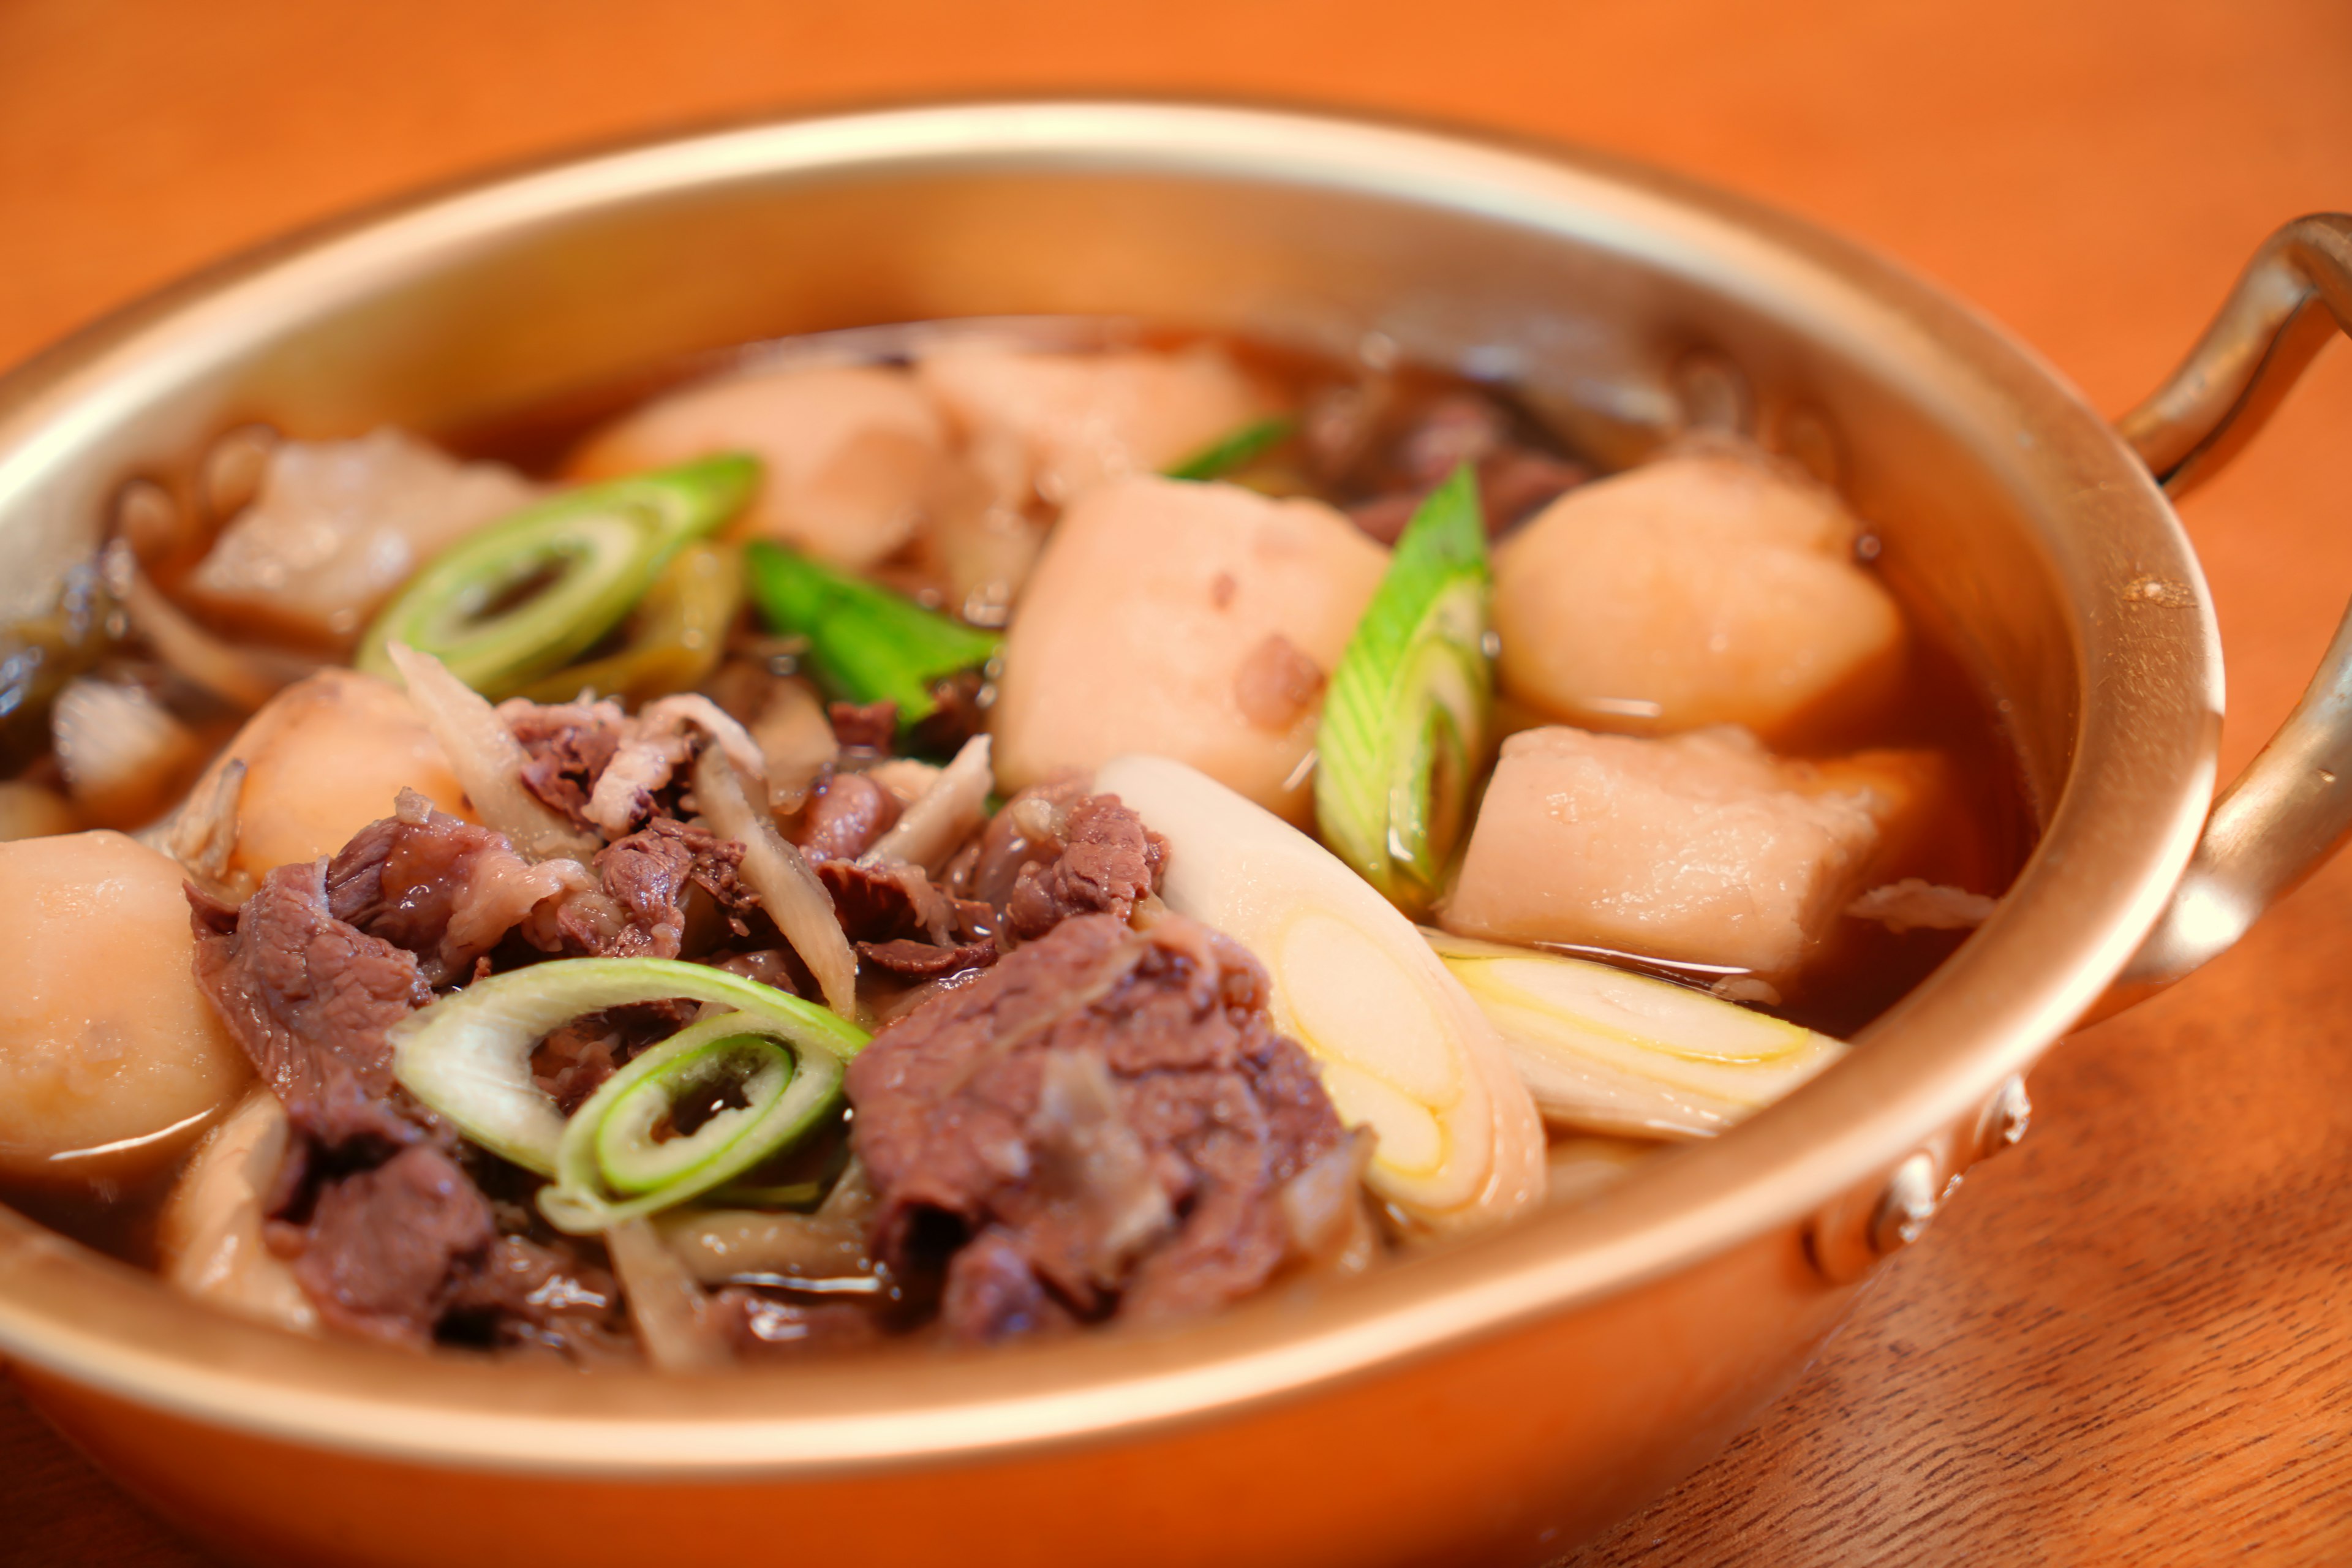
1196 621
1062 423
339 526
1706 588
847 453
1700 849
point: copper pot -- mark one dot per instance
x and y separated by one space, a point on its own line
1492 1402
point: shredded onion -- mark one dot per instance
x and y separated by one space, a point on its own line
488 759
936 825
795 898
246 678
672 1315
721 1244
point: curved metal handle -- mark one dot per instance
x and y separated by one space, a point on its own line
2287 813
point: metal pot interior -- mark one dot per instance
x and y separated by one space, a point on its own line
1622 304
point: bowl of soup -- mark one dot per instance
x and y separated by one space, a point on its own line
1069 831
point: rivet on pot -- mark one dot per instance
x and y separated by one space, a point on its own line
2006 1117
1908 1205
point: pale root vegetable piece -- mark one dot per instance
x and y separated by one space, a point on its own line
339 525
1402 1047
1067 423
848 452
1700 849
324 758
111 1060
1195 621
1704 588
209 1240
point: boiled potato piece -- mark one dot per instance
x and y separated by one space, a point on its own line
848 452
1195 621
1703 588
209 1240
110 1058
1699 849
340 525
324 758
1065 423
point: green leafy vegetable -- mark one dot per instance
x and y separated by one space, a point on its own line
1405 723
867 643
614 1163
467 1056
1229 452
525 596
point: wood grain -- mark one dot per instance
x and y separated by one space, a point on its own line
2130 1341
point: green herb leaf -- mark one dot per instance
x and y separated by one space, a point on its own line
1227 453
867 643
1405 723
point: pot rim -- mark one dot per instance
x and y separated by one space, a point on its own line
2148 675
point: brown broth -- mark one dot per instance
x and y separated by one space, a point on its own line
1978 844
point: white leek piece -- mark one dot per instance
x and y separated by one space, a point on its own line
1605 1048
1403 1049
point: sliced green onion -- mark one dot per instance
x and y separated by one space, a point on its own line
1602 1049
467 1056
672 640
1229 452
866 644
611 1167
1405 723
527 595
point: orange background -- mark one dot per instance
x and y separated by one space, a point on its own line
2128 1343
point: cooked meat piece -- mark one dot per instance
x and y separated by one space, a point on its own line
761 1324
569 745
444 889
1024 836
1109 862
872 727
962 714
844 817
1110 1107
769 966
923 960
523 1294
991 1294
382 1244
646 878
881 903
310 998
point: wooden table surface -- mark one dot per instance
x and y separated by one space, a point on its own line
2128 1343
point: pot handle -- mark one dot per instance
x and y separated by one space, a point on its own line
2281 818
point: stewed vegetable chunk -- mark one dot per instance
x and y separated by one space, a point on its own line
1706 588
848 452
1196 621
339 526
110 1059
1065 423
1702 848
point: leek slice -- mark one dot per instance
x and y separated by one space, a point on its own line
671 641
1400 1046
609 1166
1606 1050
573 566
1223 455
467 1056
867 643
1405 724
